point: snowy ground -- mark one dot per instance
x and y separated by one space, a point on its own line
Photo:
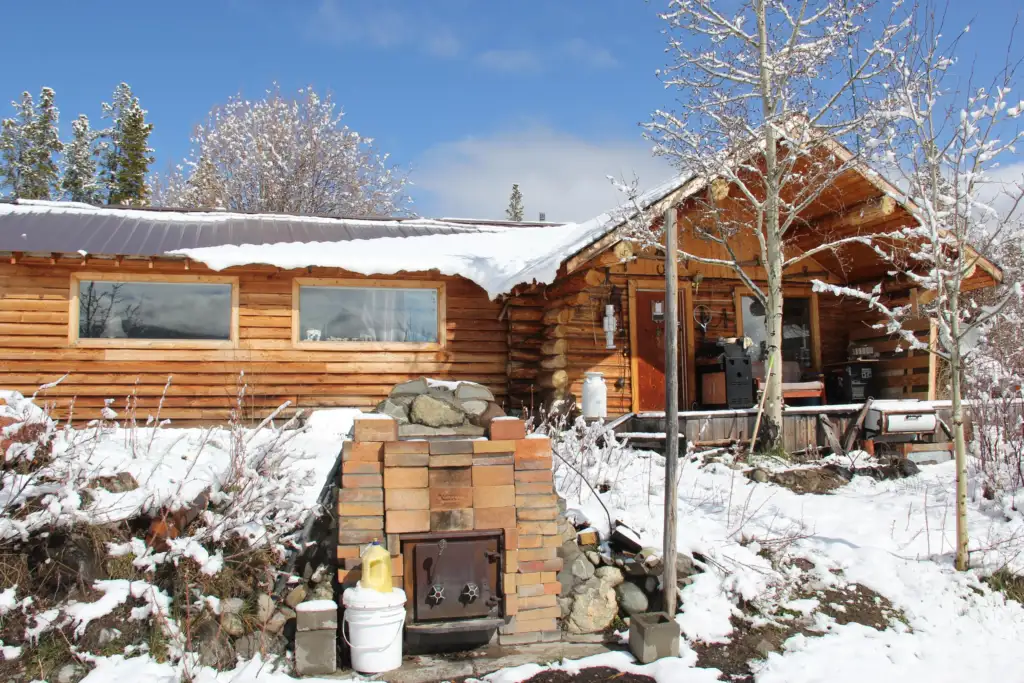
894 537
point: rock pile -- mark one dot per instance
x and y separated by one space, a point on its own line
428 407
601 582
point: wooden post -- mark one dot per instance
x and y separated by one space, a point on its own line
671 406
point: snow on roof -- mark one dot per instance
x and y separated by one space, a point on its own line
497 259
497 255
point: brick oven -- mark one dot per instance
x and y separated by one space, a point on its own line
470 525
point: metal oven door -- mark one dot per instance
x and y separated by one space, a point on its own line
455 578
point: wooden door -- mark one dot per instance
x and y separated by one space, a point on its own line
650 350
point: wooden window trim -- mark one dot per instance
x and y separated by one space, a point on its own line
73 313
794 292
442 326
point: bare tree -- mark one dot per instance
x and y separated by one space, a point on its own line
285 155
763 91
941 142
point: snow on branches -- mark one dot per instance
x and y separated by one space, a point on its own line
283 155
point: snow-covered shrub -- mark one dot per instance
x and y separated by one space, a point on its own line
998 425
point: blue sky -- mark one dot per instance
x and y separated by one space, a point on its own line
469 95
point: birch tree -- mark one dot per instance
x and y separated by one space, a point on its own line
761 89
285 155
942 141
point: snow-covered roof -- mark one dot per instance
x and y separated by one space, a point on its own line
496 255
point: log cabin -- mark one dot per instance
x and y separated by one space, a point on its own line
194 314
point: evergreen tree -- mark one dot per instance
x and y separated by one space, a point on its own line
15 145
515 204
40 175
79 182
125 153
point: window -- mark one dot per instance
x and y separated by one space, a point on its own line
796 329
362 313
111 310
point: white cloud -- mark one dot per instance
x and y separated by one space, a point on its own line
510 61
590 55
559 173
344 25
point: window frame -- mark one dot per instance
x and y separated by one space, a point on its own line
89 342
370 283
789 292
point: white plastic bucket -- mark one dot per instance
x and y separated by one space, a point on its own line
372 629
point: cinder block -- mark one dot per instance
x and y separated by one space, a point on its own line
359 537
507 429
494 496
346 552
406 448
534 447
360 467
363 523
530 590
530 541
406 459
407 521
537 514
451 476
534 476
528 579
494 518
315 619
374 495
539 613
511 605
451 520
360 509
492 446
530 554
533 463
316 652
653 635
536 501
361 481
545 566
363 451
377 428
501 475
538 601
460 447
454 460
451 497
493 459
349 577
539 489
535 625
405 477
407 499
541 528
510 639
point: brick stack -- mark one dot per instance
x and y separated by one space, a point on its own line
392 487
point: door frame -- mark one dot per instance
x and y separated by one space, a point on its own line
687 365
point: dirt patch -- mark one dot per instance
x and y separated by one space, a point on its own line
747 644
816 480
596 674
852 604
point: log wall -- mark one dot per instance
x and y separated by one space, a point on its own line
34 348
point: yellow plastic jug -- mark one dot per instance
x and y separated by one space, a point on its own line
376 563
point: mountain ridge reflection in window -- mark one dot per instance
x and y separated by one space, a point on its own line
368 314
110 309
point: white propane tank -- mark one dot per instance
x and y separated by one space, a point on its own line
595 396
